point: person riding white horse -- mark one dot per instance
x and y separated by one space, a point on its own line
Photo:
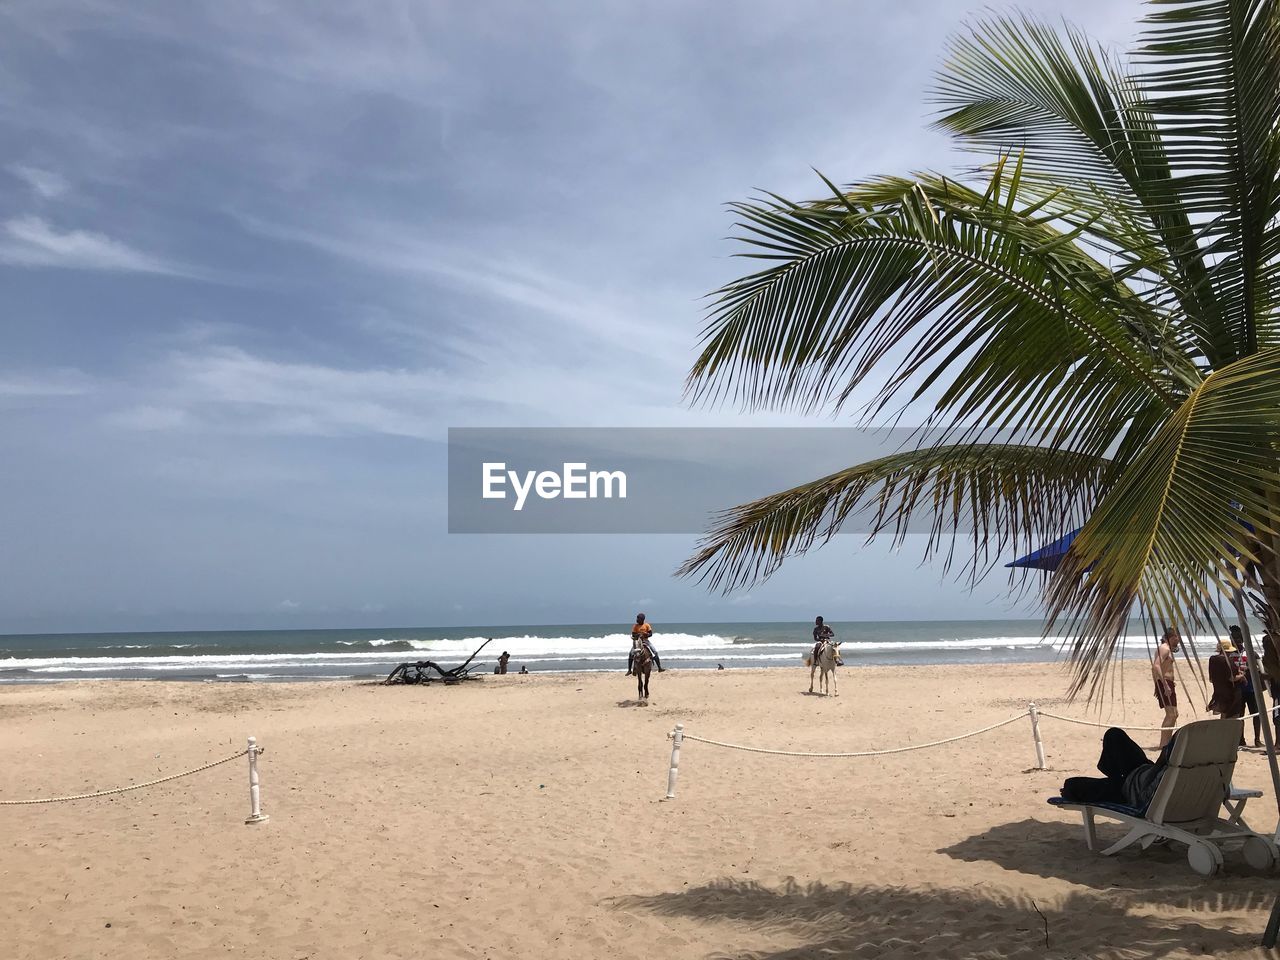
825 657
642 633
821 633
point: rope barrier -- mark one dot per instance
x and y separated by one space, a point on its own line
861 753
1125 726
678 736
136 786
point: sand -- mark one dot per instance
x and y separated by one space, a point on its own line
520 817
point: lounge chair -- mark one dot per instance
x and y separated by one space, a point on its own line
1187 805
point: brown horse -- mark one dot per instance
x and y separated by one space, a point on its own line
642 663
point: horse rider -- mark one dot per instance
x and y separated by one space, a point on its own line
821 634
642 633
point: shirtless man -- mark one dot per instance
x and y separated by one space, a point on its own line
1166 688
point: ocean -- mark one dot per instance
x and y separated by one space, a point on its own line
372 653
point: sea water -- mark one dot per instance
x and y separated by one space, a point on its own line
370 653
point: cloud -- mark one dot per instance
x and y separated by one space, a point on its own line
231 390
516 283
44 183
54 382
33 242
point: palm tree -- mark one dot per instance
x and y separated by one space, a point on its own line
1090 320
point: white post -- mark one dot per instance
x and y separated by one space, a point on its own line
677 738
1035 733
255 805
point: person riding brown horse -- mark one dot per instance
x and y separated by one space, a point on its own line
642 636
642 665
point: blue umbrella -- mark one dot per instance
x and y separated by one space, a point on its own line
1047 557
1050 556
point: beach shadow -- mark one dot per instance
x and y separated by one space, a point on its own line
634 703
844 920
1157 875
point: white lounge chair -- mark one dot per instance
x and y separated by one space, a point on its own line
1188 802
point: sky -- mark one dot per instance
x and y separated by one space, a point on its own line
258 257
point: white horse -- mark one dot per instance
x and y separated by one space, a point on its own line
828 659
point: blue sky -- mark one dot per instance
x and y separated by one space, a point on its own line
258 257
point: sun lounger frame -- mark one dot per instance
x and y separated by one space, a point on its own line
1187 804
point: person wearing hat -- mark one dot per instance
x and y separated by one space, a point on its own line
1227 683
1240 661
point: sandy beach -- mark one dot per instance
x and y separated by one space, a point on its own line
521 816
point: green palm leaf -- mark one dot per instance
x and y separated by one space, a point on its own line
1008 496
1168 530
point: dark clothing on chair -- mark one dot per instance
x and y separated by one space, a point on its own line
1128 776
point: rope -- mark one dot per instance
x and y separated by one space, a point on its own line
862 753
136 786
1125 726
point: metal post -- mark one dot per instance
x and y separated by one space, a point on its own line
677 738
1035 733
255 804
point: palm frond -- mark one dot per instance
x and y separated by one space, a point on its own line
965 288
1086 126
1171 531
1213 87
1005 496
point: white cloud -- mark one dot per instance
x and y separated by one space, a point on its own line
44 183
55 382
33 242
227 389
411 252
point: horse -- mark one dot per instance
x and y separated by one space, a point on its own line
642 663
828 659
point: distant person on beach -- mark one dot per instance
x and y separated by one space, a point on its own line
502 662
1166 687
821 633
523 670
642 633
1252 698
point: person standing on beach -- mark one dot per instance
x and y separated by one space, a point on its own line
642 633
1228 686
821 633
1252 698
502 662
1166 687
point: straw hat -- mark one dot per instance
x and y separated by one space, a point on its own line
1226 646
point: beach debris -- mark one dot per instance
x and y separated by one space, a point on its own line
420 671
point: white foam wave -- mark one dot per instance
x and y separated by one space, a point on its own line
972 643
371 656
531 646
